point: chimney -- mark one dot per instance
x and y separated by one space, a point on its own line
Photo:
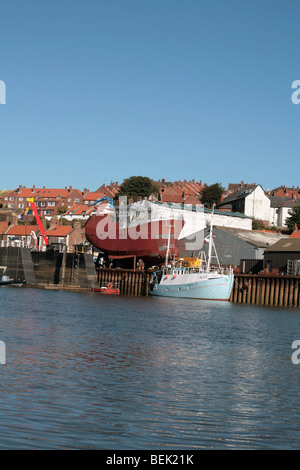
20 188
77 224
54 221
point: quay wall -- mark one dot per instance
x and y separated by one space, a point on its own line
78 270
264 289
17 264
65 269
35 268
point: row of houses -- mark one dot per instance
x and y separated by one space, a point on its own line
49 200
271 206
29 236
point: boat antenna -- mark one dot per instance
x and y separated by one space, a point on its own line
210 238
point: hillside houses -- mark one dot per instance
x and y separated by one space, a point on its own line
69 205
47 200
180 192
271 207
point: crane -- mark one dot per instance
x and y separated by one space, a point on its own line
33 206
104 198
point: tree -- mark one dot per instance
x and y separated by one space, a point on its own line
137 187
62 209
294 218
211 195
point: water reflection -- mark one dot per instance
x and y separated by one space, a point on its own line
85 371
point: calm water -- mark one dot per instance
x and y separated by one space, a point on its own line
85 371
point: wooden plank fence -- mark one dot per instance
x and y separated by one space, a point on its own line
274 290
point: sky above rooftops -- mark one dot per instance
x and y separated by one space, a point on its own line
101 90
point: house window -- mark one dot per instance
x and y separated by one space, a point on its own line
47 212
77 201
51 204
21 206
20 199
43 204
11 198
10 206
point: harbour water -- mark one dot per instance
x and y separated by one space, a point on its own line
85 371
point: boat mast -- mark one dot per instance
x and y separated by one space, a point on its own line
168 247
210 240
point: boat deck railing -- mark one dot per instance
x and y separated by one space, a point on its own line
203 269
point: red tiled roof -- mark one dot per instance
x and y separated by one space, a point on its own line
93 196
41 192
59 231
187 192
295 234
79 209
22 229
290 193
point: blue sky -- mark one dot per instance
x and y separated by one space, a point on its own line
101 90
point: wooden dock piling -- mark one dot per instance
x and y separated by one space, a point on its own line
265 289
133 282
255 289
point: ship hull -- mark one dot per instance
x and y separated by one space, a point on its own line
216 288
147 241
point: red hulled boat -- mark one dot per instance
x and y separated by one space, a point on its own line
120 237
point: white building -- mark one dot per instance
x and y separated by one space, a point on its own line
253 202
280 210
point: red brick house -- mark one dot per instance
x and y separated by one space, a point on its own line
92 197
47 200
181 192
61 236
283 191
25 236
3 228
